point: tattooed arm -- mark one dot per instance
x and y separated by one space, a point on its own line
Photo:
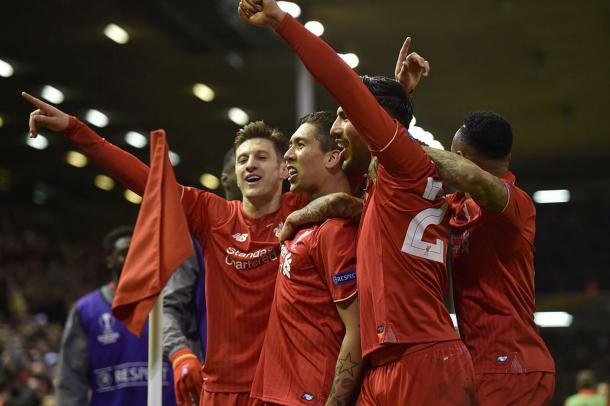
349 361
487 190
339 205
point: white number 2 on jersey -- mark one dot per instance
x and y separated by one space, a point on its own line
414 243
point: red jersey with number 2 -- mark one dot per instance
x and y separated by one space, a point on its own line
402 276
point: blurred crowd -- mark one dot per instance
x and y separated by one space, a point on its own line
41 273
28 363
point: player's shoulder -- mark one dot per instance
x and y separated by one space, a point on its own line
294 201
519 193
334 228
88 297
519 199
337 223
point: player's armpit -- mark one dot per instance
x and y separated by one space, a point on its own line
489 191
349 361
337 205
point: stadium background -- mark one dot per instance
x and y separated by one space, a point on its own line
543 65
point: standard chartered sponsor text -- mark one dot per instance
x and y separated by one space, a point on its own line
249 260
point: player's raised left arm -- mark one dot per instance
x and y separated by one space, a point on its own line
489 191
349 361
346 87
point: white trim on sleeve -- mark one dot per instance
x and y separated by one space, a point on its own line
346 298
392 140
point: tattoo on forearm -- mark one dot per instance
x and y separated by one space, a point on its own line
346 365
346 375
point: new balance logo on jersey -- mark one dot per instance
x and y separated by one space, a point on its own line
240 237
307 396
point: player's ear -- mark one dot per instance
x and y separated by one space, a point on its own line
283 171
334 159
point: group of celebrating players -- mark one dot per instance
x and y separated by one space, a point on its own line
341 313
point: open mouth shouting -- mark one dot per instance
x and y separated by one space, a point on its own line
253 179
292 174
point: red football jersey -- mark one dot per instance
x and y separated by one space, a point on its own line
241 261
305 332
404 231
493 276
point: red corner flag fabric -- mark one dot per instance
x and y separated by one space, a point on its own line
160 243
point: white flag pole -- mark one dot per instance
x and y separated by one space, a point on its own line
155 354
305 97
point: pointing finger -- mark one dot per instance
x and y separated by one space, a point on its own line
35 101
404 50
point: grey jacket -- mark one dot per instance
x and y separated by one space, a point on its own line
179 312
72 383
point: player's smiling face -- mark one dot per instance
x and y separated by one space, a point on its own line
357 155
305 160
258 168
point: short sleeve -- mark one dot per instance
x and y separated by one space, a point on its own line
335 257
519 212
203 210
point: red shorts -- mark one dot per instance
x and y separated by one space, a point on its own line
440 375
532 389
228 399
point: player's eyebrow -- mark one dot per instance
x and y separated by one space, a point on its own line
296 138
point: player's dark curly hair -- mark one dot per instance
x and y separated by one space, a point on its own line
323 121
113 236
391 96
489 133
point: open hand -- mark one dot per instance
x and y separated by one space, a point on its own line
410 67
45 116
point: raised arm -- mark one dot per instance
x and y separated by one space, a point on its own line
120 164
489 191
368 117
